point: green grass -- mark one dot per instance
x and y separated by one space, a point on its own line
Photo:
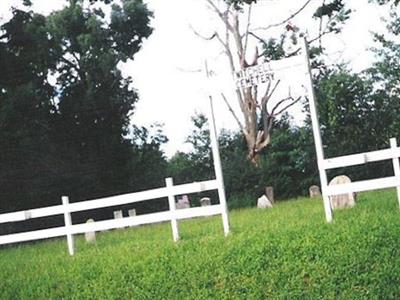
286 252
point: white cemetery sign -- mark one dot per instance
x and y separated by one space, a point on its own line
255 75
265 72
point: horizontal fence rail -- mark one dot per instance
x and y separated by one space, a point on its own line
111 224
67 208
361 158
392 153
189 188
169 192
362 186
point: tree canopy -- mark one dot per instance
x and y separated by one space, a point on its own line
65 106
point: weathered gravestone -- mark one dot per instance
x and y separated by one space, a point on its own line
314 191
90 237
132 213
205 201
269 192
183 202
344 200
263 202
118 214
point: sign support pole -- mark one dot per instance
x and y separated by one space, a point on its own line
317 134
217 161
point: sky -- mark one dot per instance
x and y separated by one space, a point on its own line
168 72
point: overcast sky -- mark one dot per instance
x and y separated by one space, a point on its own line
166 70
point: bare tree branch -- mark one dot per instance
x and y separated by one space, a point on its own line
326 31
279 104
265 139
202 36
247 29
223 16
267 94
287 19
237 38
320 27
287 106
233 113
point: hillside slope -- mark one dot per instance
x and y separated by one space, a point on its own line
286 252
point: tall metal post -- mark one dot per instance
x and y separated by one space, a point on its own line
317 134
217 162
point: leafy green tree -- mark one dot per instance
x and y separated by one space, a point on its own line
73 137
94 99
25 106
354 117
197 164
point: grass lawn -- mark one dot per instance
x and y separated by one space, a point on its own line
285 252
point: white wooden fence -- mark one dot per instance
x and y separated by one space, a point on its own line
392 153
170 191
69 230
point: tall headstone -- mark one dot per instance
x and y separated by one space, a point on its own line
344 200
90 236
263 202
314 191
269 192
183 202
118 214
205 201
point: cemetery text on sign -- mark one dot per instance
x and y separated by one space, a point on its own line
254 76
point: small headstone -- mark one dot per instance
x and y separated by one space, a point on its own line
344 200
263 202
205 201
314 191
132 213
183 202
118 214
269 192
90 236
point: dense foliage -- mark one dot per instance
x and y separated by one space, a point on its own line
286 252
65 106
356 118
288 165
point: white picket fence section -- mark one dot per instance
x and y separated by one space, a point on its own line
392 153
170 191
345 161
69 230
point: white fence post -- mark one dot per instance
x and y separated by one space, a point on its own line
172 207
396 167
317 134
68 224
